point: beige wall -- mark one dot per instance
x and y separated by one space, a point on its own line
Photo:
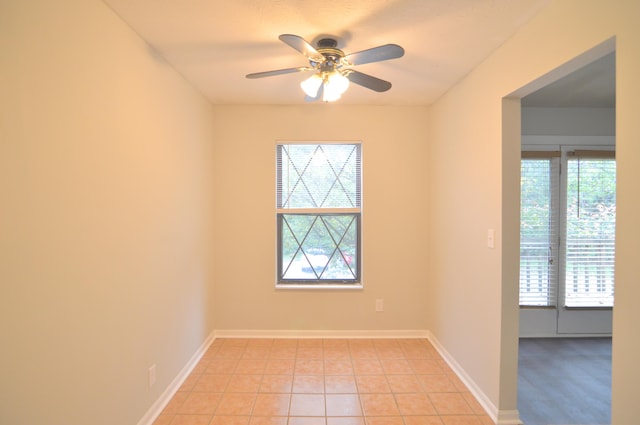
471 185
105 206
394 218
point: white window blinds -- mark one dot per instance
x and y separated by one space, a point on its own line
539 228
590 233
318 176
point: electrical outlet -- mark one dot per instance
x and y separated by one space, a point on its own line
379 305
152 375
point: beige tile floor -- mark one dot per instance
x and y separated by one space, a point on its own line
322 382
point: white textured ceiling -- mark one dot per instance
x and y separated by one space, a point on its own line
215 43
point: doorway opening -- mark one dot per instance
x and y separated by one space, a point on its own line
567 242
568 204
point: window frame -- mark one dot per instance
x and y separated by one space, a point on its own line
356 213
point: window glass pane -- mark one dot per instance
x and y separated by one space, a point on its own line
538 232
591 215
319 247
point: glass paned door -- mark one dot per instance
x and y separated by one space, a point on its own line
587 283
567 241
590 241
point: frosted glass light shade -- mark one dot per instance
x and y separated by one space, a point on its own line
311 85
335 85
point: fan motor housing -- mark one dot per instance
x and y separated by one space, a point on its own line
327 47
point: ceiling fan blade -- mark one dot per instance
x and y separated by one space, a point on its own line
372 83
278 72
302 46
375 54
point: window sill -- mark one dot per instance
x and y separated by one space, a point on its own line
537 307
320 287
576 308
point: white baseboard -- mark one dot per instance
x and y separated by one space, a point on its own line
508 417
159 405
333 334
511 417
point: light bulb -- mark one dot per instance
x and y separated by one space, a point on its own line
311 85
335 85
339 82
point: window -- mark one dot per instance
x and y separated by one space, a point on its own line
539 228
567 228
318 211
591 226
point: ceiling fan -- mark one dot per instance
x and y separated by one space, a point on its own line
333 70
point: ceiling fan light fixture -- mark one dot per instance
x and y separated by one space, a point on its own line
333 83
333 70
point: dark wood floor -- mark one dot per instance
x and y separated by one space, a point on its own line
564 381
